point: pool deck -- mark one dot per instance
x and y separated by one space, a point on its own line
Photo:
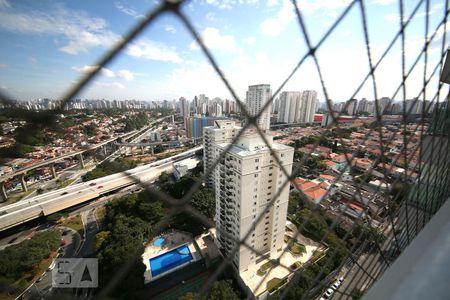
258 284
174 240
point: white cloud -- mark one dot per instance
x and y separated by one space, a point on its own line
80 30
222 4
125 74
3 66
122 74
170 28
110 84
395 17
152 50
214 40
128 10
273 26
4 3
323 5
107 73
271 3
251 40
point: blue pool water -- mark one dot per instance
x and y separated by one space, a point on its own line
170 260
159 241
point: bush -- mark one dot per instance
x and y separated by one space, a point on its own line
297 248
275 283
295 265
270 264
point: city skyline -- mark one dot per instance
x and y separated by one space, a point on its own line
49 59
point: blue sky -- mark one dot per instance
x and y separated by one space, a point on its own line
48 45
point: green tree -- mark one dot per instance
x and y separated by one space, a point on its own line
158 149
222 290
90 130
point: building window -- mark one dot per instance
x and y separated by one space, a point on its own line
256 168
256 175
257 160
282 154
270 174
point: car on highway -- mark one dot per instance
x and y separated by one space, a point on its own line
65 193
92 184
336 285
341 279
100 186
328 293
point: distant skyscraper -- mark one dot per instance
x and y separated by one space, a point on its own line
297 107
184 107
362 106
289 106
352 106
257 97
194 125
246 179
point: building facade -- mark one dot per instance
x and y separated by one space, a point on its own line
246 180
297 107
257 97
222 131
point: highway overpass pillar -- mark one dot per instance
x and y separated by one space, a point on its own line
104 150
23 183
152 151
80 158
142 150
3 191
52 170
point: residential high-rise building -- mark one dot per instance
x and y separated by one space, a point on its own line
246 179
297 107
222 131
308 107
362 106
184 107
352 106
257 97
290 103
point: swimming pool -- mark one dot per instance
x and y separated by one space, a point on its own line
170 260
159 241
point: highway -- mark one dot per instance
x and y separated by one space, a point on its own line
54 201
141 132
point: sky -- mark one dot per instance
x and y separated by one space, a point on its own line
47 46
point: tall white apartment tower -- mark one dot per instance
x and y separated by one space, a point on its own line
223 131
184 107
289 107
309 99
246 180
257 97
